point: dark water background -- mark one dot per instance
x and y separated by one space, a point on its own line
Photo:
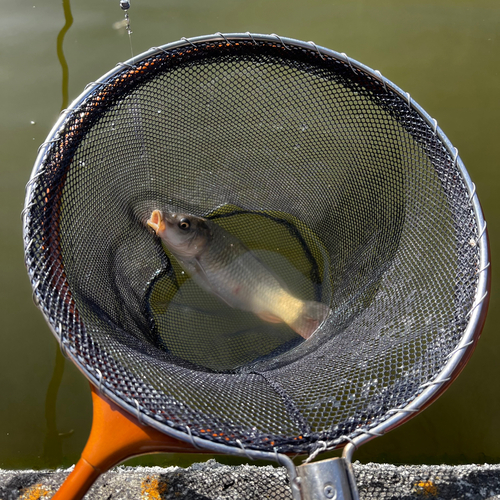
445 53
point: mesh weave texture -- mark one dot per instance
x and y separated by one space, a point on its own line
330 177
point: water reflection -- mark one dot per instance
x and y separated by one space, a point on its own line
60 53
52 446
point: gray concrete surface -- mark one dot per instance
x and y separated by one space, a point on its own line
211 480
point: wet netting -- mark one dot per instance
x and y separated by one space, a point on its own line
333 178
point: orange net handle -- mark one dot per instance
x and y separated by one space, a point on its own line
115 436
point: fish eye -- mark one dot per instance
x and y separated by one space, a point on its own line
184 224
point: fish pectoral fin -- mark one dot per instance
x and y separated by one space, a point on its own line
269 317
201 275
202 280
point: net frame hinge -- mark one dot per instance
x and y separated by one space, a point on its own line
329 479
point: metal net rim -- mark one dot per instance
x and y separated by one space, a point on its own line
457 358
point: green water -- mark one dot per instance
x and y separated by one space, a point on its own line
446 53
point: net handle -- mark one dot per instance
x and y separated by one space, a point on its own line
115 436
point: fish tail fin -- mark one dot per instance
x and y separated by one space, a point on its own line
312 315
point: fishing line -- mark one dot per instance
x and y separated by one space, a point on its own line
125 5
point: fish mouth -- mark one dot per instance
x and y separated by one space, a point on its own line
156 221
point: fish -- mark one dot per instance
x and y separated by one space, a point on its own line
222 265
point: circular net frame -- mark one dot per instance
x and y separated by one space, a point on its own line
324 171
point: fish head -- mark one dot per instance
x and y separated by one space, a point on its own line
183 234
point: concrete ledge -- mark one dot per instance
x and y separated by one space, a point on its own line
211 480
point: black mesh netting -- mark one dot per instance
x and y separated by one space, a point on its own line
332 179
